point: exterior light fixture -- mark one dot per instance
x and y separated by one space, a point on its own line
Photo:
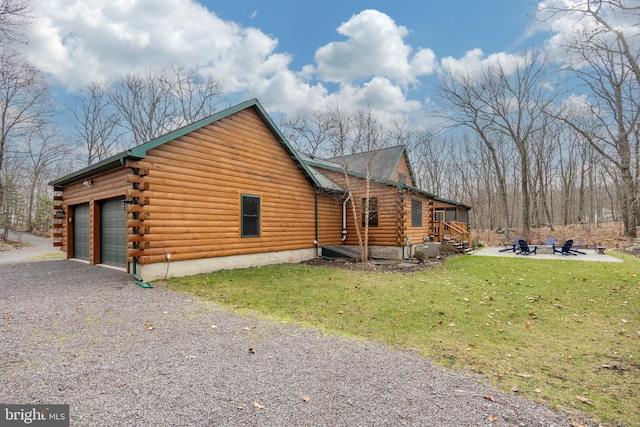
126 202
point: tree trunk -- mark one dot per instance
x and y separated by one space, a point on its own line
627 202
524 188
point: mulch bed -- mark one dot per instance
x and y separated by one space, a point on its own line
381 266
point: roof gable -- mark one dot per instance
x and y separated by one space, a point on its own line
382 163
140 151
383 166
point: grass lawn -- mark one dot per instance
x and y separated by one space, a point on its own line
52 255
559 331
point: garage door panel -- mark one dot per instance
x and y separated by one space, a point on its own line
113 239
81 232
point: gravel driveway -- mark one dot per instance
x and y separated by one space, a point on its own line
37 246
121 355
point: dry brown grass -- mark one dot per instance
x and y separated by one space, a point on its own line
609 235
10 245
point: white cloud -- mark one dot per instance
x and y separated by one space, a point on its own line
474 62
379 95
566 21
579 106
286 92
374 47
423 63
564 27
77 42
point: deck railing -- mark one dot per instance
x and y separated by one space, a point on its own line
456 231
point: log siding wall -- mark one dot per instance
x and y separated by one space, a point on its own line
394 212
403 167
418 234
187 199
190 203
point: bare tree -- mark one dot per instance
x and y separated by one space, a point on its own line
401 132
158 102
142 102
197 96
14 14
310 133
12 178
341 131
505 101
23 101
602 54
545 150
370 136
334 133
481 185
426 155
432 162
466 100
96 123
42 147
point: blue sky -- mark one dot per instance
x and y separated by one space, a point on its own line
291 55
448 27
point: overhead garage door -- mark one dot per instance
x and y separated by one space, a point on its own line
81 232
113 237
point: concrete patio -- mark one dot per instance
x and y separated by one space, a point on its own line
547 253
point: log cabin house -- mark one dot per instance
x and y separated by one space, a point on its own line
229 191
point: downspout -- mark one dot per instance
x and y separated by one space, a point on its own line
315 242
137 278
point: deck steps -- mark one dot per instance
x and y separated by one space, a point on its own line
453 246
336 251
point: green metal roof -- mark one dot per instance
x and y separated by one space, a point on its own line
382 163
453 202
385 162
104 166
317 164
140 152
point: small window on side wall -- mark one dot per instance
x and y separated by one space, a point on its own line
373 211
402 178
250 215
416 213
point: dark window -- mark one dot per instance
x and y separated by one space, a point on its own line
402 178
250 216
416 213
463 215
373 211
451 214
